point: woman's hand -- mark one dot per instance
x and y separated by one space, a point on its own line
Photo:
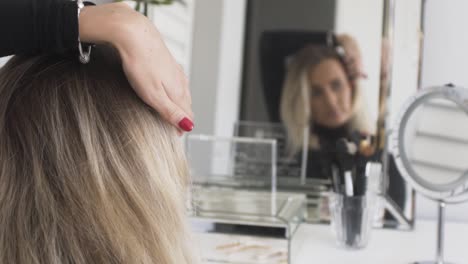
150 68
352 58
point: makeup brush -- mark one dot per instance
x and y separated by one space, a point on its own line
345 153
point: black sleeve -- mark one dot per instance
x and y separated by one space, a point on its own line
37 26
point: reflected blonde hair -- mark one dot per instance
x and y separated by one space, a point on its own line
295 107
89 173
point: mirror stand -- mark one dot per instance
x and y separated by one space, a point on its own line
396 212
440 237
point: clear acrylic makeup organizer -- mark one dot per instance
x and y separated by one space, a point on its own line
236 207
291 168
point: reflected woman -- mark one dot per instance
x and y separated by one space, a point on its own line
322 97
321 92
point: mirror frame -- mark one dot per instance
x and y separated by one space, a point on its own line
444 192
405 218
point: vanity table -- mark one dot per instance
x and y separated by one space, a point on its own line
385 247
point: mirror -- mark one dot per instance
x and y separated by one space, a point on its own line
323 72
440 174
431 151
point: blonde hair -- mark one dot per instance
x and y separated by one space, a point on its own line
89 173
295 107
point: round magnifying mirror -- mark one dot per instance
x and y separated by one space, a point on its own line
431 143
430 146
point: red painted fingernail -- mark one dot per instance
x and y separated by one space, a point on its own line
186 124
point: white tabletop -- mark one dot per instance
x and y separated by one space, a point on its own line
385 246
317 245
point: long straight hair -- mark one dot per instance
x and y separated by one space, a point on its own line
89 173
295 98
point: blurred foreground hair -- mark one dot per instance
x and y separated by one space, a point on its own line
89 173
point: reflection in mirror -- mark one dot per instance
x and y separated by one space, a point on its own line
324 76
320 93
440 173
447 138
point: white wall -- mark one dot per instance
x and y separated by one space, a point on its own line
216 61
230 66
204 70
406 49
445 60
446 44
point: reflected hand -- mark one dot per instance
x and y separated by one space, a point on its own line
384 67
352 58
150 68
